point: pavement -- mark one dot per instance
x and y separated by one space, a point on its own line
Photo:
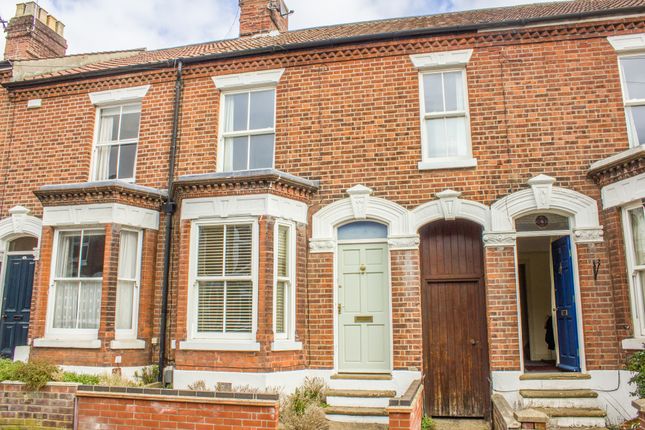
440 424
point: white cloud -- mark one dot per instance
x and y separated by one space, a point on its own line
99 25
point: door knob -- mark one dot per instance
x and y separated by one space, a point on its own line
4 317
473 342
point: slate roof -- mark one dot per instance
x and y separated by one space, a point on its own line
454 21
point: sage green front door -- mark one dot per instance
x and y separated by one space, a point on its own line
363 308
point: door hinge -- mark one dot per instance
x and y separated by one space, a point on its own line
340 308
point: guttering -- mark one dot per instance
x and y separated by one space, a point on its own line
169 209
635 10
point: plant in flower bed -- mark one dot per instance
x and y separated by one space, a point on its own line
304 408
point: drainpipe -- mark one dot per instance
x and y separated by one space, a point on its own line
169 209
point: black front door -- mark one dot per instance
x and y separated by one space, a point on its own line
16 303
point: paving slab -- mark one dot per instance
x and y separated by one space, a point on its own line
448 424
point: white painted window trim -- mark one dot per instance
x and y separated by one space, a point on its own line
101 213
58 334
131 334
636 291
71 342
96 145
217 340
628 42
128 344
290 334
434 60
213 345
630 103
286 345
625 191
241 81
119 96
223 135
432 163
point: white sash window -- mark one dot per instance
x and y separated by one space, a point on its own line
634 223
633 78
284 296
127 293
115 151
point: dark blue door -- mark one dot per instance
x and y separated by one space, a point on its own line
16 303
565 302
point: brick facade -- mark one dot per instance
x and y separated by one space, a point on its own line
541 102
52 407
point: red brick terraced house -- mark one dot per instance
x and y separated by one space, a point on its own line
456 198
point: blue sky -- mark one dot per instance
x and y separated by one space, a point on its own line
99 25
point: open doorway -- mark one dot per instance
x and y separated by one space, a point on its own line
547 294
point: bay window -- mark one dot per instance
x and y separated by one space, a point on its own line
128 278
224 281
633 78
284 296
117 138
635 238
248 130
77 282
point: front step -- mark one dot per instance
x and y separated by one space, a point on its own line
357 414
362 398
582 398
576 417
556 381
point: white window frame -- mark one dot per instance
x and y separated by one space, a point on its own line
428 162
96 145
629 103
192 313
224 135
125 334
290 332
69 333
636 290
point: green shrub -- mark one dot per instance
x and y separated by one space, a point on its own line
427 423
36 374
79 378
8 370
147 375
304 409
636 364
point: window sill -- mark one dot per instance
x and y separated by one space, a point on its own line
128 344
67 343
286 345
221 345
634 344
456 163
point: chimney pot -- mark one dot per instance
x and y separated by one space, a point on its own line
29 38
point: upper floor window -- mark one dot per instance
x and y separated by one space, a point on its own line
117 138
78 278
248 130
633 77
445 120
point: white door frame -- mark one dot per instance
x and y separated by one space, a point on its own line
336 274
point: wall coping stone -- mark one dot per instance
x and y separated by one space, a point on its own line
531 416
639 404
407 399
505 411
89 390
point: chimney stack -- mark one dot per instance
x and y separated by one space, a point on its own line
33 34
263 16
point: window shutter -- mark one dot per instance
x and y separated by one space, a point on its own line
211 251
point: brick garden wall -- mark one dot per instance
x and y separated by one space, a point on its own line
50 408
169 409
406 412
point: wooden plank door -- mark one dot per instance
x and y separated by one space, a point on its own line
364 310
454 320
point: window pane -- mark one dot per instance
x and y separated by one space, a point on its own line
26 243
281 310
69 246
210 309
454 90
126 162
362 230
261 151
239 307
236 107
211 250
262 109
236 153
89 307
456 144
435 132
114 159
433 92
128 250
238 250
66 304
634 72
92 255
637 220
124 304
637 118
283 251
542 222
130 124
109 125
